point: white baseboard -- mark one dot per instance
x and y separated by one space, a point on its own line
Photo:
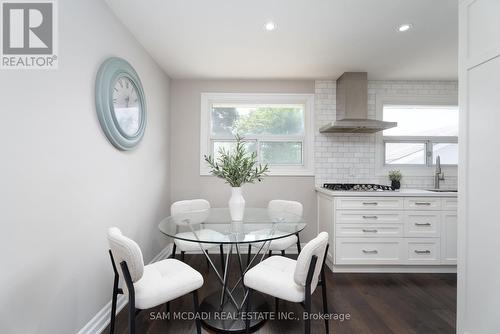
101 320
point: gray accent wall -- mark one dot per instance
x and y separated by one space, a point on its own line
185 149
62 184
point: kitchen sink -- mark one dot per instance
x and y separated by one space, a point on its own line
443 190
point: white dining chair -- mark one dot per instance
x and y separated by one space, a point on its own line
151 285
292 280
275 207
194 209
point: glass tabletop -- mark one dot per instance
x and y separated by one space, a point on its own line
215 226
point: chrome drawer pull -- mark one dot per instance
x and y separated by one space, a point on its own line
370 203
423 252
367 230
374 251
422 224
422 203
370 217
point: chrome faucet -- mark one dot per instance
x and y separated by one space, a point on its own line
438 174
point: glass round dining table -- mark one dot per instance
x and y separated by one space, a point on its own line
224 311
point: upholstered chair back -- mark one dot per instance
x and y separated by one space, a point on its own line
125 249
292 207
316 246
193 211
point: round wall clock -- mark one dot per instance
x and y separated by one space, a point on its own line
120 103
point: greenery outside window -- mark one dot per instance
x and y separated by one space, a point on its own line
276 126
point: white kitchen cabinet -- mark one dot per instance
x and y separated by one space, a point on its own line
449 238
368 251
383 232
422 251
422 224
423 203
449 204
483 29
369 230
367 217
479 84
325 211
369 203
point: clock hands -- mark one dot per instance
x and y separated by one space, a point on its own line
125 94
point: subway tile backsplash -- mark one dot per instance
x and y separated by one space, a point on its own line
350 158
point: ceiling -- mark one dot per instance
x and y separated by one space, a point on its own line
313 39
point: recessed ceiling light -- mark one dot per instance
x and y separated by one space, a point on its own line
270 26
404 27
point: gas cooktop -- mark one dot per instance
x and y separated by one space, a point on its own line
356 187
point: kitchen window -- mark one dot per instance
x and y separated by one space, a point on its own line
278 127
423 133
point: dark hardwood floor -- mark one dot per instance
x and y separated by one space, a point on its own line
376 303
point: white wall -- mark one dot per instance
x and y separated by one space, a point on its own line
62 183
185 148
351 158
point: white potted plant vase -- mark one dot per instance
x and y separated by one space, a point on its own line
237 167
236 204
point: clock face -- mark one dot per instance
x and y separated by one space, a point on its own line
126 105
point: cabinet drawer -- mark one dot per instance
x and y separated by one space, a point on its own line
368 217
422 251
369 230
449 204
372 203
368 251
422 224
423 203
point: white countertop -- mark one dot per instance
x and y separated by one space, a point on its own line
397 193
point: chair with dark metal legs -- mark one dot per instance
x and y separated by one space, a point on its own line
277 207
292 280
193 211
151 285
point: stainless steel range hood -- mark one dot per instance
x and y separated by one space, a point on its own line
352 107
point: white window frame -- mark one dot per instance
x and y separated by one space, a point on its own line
411 170
307 167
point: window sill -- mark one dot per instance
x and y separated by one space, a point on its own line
423 171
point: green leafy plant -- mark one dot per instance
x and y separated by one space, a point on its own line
271 120
237 166
395 175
